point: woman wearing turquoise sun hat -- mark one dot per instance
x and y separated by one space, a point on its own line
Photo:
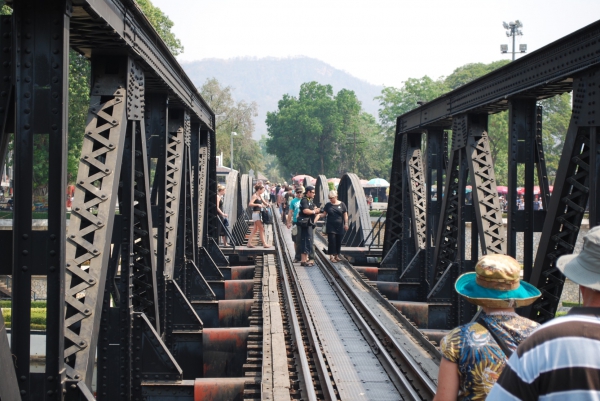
474 354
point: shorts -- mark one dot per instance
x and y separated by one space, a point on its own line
256 216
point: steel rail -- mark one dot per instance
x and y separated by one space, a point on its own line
425 388
404 322
284 264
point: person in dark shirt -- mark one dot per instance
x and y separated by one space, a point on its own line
309 211
337 224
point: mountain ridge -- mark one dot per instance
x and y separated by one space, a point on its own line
265 80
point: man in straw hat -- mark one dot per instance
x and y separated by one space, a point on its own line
561 360
474 354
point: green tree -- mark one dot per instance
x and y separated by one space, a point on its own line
303 130
163 25
4 9
233 117
395 102
272 169
320 132
470 72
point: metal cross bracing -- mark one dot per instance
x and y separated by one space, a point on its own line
126 278
428 207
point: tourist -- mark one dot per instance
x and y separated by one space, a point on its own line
280 194
292 219
560 360
287 198
337 224
257 202
307 218
221 215
474 354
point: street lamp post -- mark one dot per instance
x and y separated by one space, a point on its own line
512 29
231 158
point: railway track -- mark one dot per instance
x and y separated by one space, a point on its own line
348 343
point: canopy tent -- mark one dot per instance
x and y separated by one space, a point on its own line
300 177
502 190
363 183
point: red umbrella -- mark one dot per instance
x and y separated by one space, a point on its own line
363 183
502 189
521 191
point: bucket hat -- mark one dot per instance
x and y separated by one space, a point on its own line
496 283
584 268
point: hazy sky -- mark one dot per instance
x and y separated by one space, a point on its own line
380 41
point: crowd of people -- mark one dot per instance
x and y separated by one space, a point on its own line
300 214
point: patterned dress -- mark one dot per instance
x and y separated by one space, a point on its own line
479 358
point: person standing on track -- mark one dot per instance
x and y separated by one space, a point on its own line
257 202
307 217
222 215
559 361
337 224
287 197
292 219
474 354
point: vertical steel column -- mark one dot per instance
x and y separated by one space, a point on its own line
483 179
174 175
417 189
198 154
393 220
435 167
92 217
40 71
156 114
407 248
449 254
125 283
211 203
522 150
574 179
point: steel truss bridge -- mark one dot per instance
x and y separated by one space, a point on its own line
141 301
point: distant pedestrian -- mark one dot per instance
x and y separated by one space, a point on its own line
221 215
474 354
287 198
561 359
370 201
292 219
257 203
337 224
307 218
280 194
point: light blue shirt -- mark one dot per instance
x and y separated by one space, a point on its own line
295 207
